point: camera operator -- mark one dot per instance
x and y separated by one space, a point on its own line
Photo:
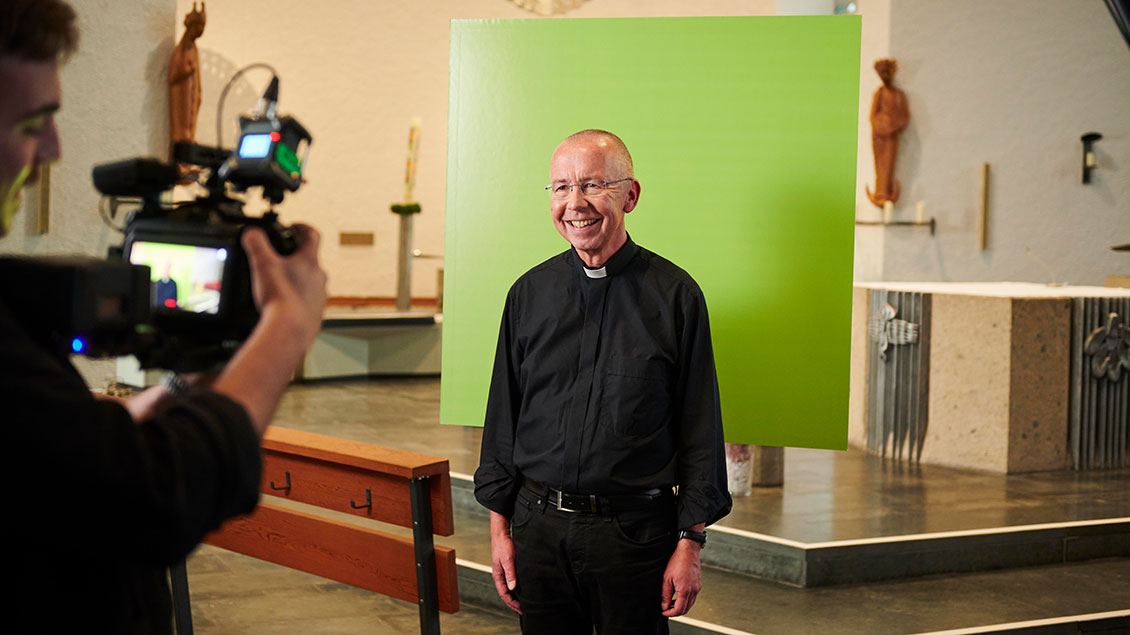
103 496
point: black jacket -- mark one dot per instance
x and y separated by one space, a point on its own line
98 506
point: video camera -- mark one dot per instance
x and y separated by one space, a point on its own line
177 292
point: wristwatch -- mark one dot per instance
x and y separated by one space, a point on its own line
174 384
697 536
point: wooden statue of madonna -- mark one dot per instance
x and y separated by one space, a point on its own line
184 79
889 116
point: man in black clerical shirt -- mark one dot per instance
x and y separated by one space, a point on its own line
602 458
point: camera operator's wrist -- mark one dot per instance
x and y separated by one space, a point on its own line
289 325
261 369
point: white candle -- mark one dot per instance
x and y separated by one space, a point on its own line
888 208
413 154
921 210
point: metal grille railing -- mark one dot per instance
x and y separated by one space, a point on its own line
899 373
1100 393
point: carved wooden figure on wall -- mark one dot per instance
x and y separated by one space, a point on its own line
184 79
889 116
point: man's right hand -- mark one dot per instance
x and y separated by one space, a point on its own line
290 292
294 285
502 561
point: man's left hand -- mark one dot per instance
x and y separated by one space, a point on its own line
682 580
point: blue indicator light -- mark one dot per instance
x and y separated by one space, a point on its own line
78 345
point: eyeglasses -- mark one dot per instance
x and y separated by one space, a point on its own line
588 188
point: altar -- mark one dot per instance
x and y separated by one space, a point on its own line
997 376
374 341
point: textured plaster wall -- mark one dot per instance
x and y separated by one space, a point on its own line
1014 83
114 106
355 73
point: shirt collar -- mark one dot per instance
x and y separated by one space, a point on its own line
615 264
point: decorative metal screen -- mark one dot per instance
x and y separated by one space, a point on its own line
899 373
1100 383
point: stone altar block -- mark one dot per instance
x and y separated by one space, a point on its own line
374 342
990 384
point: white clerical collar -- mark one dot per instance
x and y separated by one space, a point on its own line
596 273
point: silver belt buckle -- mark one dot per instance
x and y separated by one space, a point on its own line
559 507
592 504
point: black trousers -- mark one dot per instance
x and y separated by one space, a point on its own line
578 571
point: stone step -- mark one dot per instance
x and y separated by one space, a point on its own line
829 563
1093 593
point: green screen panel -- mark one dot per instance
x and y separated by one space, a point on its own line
743 133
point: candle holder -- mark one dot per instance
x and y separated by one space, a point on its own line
406 212
405 209
931 223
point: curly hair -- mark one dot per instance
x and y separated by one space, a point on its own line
38 30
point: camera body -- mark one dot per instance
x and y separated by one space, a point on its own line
201 298
78 304
177 292
199 294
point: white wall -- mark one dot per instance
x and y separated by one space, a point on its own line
355 72
114 105
1014 83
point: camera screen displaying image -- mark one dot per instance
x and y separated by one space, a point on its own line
185 277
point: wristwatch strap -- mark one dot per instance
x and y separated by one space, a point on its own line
697 536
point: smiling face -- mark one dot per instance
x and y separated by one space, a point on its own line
593 224
28 137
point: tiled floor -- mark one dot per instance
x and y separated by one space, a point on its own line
826 496
238 595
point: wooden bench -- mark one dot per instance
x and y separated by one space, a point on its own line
392 486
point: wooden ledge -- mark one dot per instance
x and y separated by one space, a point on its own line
356 454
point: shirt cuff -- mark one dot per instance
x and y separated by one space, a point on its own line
496 488
702 502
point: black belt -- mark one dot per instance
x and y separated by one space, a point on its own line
592 503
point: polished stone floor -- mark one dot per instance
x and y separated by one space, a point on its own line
827 496
238 595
